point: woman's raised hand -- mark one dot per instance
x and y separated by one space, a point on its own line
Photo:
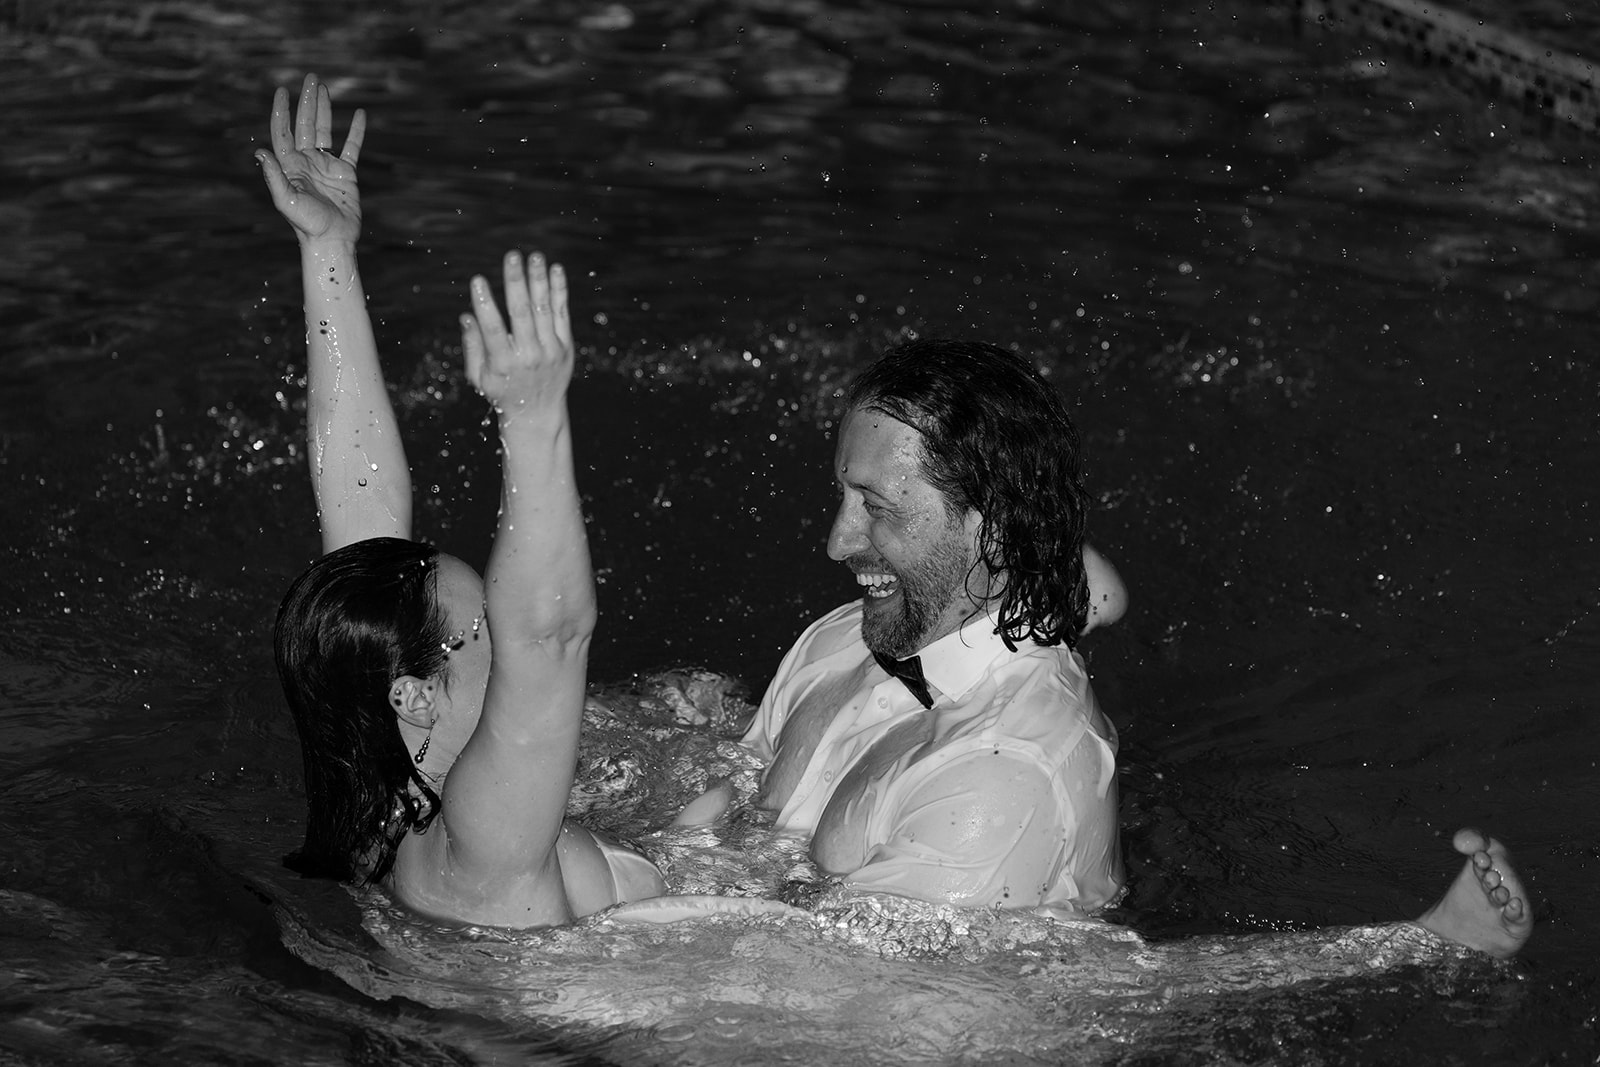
311 187
529 368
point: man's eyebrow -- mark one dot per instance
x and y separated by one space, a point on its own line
856 483
874 495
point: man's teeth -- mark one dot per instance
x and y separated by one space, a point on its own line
877 585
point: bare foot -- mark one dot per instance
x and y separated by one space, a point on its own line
1485 907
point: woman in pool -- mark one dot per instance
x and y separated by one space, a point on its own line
434 767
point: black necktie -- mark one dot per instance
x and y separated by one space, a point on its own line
909 671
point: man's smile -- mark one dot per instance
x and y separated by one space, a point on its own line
877 584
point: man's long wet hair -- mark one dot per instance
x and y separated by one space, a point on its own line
357 619
996 439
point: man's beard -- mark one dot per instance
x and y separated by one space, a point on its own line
924 590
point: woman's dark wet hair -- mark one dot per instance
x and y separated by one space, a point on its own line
357 619
996 438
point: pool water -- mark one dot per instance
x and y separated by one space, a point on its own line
1326 319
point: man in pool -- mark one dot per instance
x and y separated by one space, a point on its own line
939 738
988 776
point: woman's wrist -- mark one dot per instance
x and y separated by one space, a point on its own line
531 424
328 267
327 248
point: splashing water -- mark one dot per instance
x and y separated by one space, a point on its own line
756 952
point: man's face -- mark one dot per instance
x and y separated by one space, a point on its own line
911 557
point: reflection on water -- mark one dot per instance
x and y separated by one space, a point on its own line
1324 318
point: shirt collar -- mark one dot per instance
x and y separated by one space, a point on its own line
954 663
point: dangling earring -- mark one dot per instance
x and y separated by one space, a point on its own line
426 741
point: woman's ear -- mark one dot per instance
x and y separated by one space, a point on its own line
412 699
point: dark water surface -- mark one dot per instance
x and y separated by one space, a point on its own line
1326 319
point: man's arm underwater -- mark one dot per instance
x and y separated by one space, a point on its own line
991 829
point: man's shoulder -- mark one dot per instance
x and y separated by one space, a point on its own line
837 631
1031 669
1039 694
833 631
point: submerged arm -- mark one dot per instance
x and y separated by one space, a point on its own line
357 462
979 834
989 827
506 796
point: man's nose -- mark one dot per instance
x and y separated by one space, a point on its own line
848 535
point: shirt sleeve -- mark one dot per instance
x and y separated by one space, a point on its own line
980 831
761 737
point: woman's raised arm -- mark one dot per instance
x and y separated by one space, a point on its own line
358 465
507 793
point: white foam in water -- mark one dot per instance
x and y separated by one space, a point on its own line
873 980
725 972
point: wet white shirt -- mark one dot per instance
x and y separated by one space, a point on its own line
1004 793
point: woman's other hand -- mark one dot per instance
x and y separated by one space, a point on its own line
311 187
528 369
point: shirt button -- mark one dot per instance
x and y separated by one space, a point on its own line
883 702
827 776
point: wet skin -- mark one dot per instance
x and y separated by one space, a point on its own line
913 558
1486 906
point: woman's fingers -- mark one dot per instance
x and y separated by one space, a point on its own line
527 360
539 292
539 337
277 182
492 326
353 139
282 140
536 301
472 350
313 123
324 128
561 324
518 296
305 116
550 328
